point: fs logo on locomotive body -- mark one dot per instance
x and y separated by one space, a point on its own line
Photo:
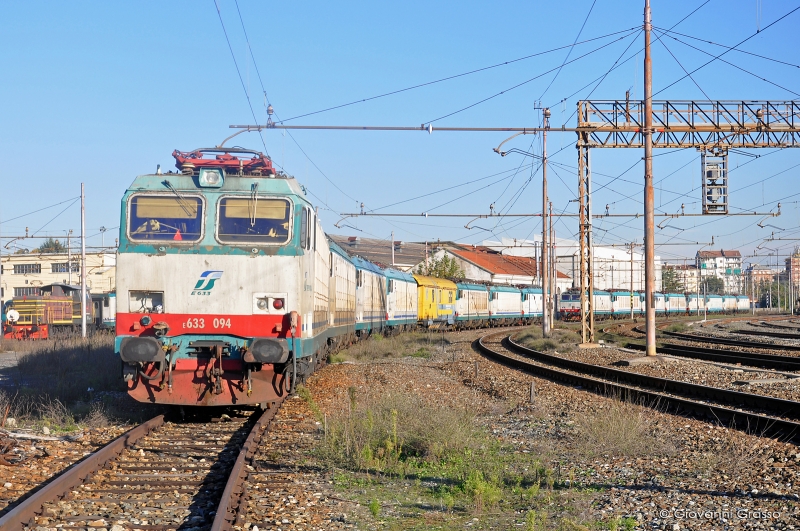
206 282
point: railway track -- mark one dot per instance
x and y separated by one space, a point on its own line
751 359
730 342
768 333
763 415
159 476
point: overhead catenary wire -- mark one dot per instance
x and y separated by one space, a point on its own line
569 52
456 76
40 209
239 73
56 216
484 100
264 90
664 44
728 50
731 64
729 47
620 63
441 190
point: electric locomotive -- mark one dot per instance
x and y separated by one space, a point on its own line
227 289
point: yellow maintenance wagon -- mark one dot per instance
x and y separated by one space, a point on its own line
436 301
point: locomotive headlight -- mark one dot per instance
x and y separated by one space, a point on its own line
277 304
211 178
261 304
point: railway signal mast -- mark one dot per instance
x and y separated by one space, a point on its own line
711 127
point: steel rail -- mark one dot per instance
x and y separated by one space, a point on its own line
763 425
24 513
780 406
731 342
753 359
228 512
768 333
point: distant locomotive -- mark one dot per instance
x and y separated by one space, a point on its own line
229 291
56 310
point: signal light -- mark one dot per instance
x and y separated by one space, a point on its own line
277 304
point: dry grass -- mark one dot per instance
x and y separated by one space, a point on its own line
40 411
382 431
623 429
409 344
68 370
560 338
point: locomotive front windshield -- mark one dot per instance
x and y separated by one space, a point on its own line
165 218
254 220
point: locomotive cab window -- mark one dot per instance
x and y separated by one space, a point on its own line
162 217
254 220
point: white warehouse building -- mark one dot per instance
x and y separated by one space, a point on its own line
613 267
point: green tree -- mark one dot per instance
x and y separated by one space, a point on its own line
712 285
444 267
670 282
774 295
51 245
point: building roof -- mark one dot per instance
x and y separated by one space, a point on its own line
499 264
406 254
719 254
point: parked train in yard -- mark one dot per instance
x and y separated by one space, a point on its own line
617 304
229 291
56 311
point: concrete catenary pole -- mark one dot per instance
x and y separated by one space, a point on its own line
631 290
546 308
83 262
69 257
553 283
649 218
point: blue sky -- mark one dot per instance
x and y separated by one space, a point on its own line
98 92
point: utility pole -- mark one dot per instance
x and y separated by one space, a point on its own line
1 279
631 290
392 248
545 249
83 263
778 269
69 257
553 283
649 199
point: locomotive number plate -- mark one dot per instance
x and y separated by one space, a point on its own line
200 322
